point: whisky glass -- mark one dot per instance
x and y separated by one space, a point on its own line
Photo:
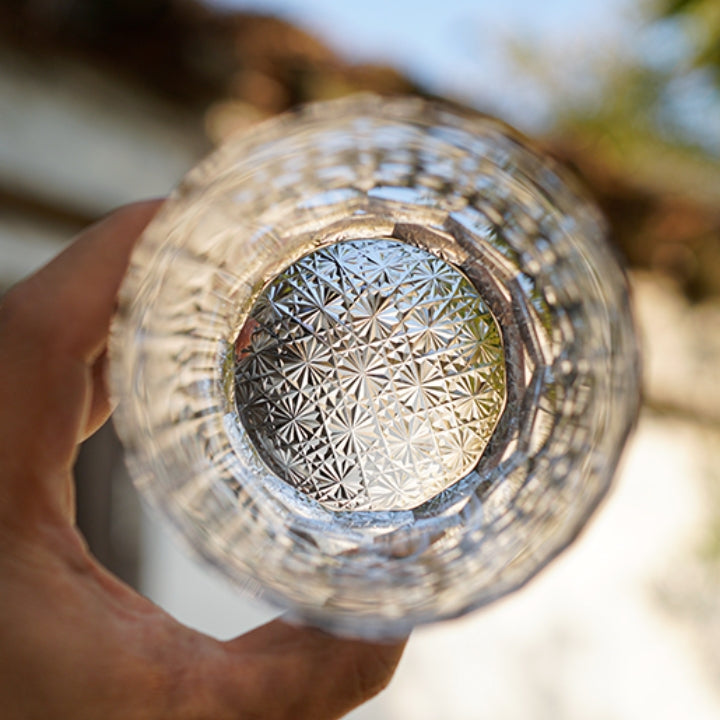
375 360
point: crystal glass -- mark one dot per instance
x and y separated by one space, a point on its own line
375 359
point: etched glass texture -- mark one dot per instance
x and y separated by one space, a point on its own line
374 376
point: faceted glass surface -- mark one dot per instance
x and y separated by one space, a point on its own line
370 375
302 412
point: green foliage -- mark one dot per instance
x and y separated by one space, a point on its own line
676 6
657 110
703 19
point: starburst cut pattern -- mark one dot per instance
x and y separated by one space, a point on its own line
372 377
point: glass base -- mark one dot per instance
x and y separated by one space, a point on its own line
370 375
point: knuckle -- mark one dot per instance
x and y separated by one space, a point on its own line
17 306
24 315
373 674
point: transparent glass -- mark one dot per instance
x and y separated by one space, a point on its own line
376 360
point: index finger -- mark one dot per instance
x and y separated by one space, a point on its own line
52 328
68 303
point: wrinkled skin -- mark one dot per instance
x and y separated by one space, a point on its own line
75 642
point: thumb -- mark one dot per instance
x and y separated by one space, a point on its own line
283 671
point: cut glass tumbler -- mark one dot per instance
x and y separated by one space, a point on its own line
376 360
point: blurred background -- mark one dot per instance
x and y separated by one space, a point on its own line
105 102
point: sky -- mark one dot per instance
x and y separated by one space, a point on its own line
460 47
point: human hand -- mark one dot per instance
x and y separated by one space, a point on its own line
75 642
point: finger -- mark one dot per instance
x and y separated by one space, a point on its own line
100 407
68 303
52 328
283 671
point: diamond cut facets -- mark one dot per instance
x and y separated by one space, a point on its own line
370 375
